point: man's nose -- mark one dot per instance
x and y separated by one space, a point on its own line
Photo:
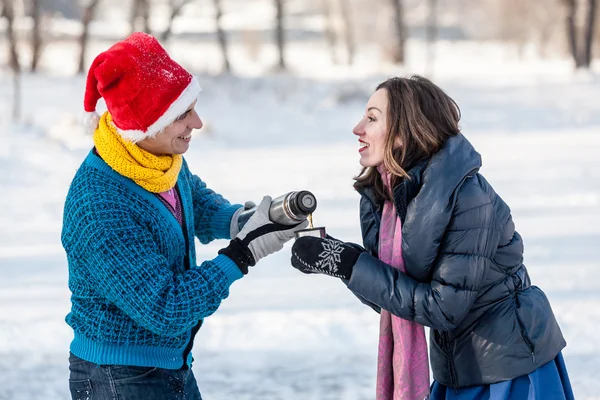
196 122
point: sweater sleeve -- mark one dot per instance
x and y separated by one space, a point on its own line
443 303
212 212
127 268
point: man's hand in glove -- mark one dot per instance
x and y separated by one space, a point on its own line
259 237
327 256
233 227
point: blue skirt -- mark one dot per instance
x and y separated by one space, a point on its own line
548 382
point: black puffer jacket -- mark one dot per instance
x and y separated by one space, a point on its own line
465 274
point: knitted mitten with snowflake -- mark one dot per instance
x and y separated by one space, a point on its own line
327 256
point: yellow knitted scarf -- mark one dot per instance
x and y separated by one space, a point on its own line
154 173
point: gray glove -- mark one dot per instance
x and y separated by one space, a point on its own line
234 225
259 237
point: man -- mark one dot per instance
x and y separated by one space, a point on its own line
130 218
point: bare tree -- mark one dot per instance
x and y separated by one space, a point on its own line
399 53
9 14
571 29
36 34
348 30
221 36
134 14
588 34
88 16
140 9
580 46
330 35
596 40
279 36
176 7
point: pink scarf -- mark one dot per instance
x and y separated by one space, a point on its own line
402 362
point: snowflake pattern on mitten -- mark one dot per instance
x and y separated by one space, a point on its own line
331 255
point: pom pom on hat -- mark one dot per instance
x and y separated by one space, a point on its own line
143 88
90 121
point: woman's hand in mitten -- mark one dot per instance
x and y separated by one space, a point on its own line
327 256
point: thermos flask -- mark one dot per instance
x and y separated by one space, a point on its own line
288 209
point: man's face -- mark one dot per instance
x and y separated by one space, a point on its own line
175 138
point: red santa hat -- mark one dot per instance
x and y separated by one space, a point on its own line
144 89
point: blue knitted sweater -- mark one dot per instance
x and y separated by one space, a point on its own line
137 293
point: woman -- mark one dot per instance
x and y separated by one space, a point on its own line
130 219
440 250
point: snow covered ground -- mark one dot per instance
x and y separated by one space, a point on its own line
283 335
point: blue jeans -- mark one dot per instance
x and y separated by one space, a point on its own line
90 381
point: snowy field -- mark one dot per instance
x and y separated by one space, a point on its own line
281 334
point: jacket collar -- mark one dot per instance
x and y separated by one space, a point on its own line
403 192
407 189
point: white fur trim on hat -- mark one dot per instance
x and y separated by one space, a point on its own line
178 107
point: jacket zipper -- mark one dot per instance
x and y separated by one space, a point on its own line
446 347
186 263
524 335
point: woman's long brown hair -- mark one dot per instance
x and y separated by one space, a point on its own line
422 116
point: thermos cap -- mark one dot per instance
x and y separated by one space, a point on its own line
305 201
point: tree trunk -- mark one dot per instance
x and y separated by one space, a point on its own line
279 38
36 34
176 7
348 30
141 9
12 40
588 36
8 12
145 14
88 16
432 32
16 111
398 55
134 14
222 38
330 35
571 30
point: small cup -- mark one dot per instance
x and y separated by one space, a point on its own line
315 232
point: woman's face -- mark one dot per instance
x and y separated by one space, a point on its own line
372 130
175 138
